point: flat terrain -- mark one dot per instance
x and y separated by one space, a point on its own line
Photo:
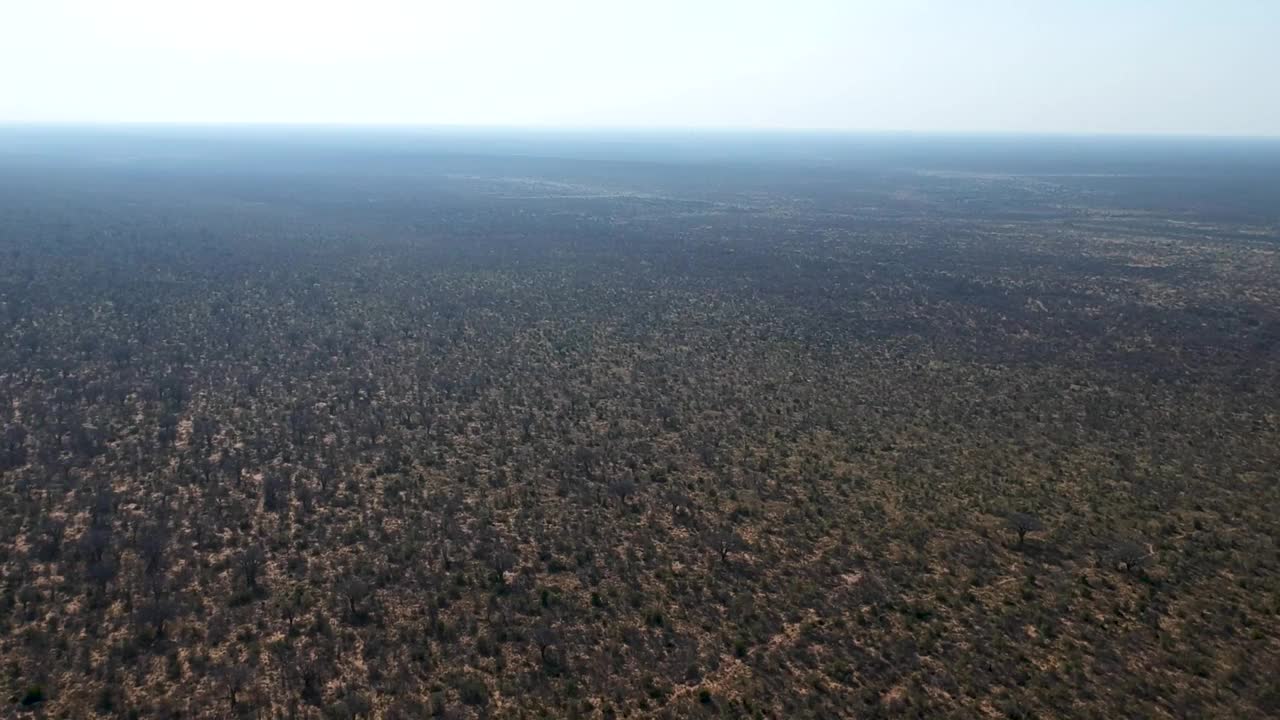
338 425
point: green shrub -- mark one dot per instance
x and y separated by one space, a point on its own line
473 691
34 694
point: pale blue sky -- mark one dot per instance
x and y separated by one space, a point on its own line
1080 66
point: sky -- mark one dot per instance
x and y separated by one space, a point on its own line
1027 66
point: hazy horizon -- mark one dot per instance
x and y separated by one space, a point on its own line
1181 68
393 126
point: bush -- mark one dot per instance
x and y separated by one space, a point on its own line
34 694
473 691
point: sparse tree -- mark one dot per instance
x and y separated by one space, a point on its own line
95 543
502 560
1022 523
622 488
725 541
292 604
156 613
544 636
354 591
678 499
152 544
234 678
274 493
250 564
1129 556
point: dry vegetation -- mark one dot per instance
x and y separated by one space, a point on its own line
481 454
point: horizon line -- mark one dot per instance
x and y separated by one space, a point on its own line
631 129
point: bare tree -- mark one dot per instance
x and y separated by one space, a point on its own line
544 636
1022 523
52 532
292 604
151 547
156 613
95 543
354 591
234 678
1129 556
678 498
622 488
724 541
250 563
502 561
274 493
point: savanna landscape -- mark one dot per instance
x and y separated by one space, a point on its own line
336 426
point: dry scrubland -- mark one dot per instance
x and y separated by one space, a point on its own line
489 446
